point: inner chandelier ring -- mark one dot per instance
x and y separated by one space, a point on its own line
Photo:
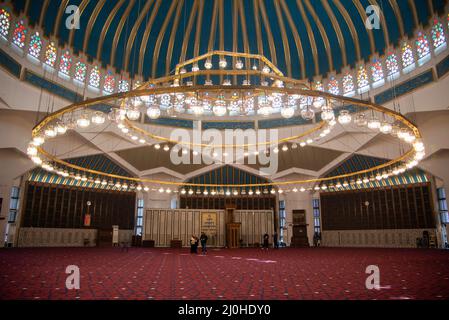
272 93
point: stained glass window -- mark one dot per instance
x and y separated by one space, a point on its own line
80 71
377 73
65 63
438 37
348 84
318 86
35 45
50 54
94 78
20 31
333 86
5 22
123 86
109 83
362 79
392 64
408 58
422 45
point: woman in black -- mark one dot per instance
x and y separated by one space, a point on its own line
266 237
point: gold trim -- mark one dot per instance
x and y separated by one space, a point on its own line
323 33
350 24
160 37
106 26
146 35
213 27
338 32
198 29
411 4
72 32
133 34
172 37
118 31
91 23
311 37
287 55
61 10
43 12
188 31
258 30
268 30
397 13
296 38
362 14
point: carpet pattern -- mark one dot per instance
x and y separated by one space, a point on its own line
246 274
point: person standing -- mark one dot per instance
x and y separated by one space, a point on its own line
266 237
193 243
203 240
275 240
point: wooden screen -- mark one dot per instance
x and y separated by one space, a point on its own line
408 207
57 206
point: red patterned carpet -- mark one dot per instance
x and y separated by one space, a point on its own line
324 273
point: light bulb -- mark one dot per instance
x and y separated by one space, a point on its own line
61 128
386 128
83 121
360 120
287 112
208 64
133 113
146 189
239 64
266 69
32 151
374 124
344 117
38 140
36 160
195 67
50 132
220 108
98 118
222 63
157 146
154 112
166 148
284 148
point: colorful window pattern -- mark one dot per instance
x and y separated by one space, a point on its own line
80 71
362 78
20 31
5 22
348 84
333 86
392 64
407 55
94 78
65 63
422 46
35 45
109 82
438 37
377 72
123 86
50 54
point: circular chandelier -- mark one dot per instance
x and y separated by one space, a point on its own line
242 85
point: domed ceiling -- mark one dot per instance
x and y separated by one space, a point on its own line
303 38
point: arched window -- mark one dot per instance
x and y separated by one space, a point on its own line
422 48
438 38
94 78
80 71
362 79
65 63
50 55
123 86
377 73
408 58
109 83
392 65
333 86
35 46
5 22
20 31
348 84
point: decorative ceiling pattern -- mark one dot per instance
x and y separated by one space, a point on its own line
304 38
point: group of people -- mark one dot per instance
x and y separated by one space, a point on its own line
194 242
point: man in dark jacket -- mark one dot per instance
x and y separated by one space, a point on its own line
203 240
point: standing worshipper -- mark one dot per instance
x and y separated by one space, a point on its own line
203 240
275 240
266 237
193 243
